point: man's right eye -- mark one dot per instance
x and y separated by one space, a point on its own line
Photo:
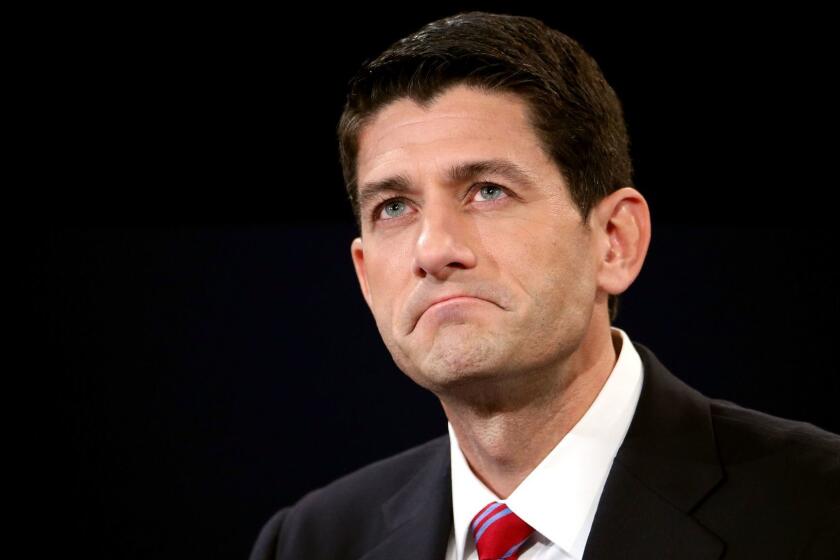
392 209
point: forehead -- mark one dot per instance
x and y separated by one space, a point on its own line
463 123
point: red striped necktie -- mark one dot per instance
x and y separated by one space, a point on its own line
499 533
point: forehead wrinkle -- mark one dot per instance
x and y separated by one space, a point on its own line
393 117
430 132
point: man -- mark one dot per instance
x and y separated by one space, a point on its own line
487 162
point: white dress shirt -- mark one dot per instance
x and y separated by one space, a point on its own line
559 497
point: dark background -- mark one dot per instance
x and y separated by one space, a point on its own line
211 355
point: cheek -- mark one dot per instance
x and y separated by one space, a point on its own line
386 280
533 249
559 305
550 267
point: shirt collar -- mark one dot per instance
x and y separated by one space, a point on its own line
559 497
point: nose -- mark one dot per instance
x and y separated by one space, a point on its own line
442 246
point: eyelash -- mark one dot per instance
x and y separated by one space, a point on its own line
377 210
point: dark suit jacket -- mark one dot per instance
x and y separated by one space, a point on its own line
695 478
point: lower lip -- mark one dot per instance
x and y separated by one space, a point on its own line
447 308
459 299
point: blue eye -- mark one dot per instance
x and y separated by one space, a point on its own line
394 208
491 192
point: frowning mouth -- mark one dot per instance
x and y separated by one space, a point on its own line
448 300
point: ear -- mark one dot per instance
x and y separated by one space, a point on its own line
357 251
622 226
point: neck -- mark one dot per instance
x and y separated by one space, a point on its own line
504 439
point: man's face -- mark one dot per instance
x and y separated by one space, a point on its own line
501 238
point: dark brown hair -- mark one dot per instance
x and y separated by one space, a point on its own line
574 111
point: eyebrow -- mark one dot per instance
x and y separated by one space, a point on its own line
458 173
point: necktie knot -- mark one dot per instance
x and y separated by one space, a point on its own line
498 532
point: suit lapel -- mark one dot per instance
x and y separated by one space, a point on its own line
666 465
419 515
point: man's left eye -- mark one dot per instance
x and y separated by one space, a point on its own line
491 192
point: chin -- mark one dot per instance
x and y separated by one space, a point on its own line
453 360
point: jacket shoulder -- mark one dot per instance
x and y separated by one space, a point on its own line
781 483
336 520
377 481
745 434
771 486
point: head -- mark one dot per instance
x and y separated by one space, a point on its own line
503 156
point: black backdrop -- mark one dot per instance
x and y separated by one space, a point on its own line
215 357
